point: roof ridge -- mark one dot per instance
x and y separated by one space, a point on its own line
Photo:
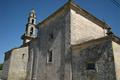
82 12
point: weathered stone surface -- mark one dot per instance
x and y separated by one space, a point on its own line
6 65
70 64
74 42
16 65
99 53
116 52
83 29
58 27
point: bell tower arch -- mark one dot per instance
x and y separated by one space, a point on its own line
30 31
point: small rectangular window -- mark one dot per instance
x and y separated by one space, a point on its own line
23 55
91 66
49 56
51 36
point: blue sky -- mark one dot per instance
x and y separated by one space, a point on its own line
14 14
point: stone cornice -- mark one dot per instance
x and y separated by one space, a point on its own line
97 41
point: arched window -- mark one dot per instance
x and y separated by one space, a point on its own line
31 31
32 21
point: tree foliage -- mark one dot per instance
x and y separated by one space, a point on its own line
1 66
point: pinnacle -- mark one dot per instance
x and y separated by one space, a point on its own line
32 11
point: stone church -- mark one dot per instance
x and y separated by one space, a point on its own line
70 44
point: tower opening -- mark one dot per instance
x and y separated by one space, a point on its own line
31 31
32 21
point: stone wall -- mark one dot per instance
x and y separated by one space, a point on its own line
100 54
116 52
83 29
6 65
51 37
57 34
15 65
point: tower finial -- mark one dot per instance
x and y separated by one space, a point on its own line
32 13
33 10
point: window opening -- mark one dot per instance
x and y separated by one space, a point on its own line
23 55
32 21
31 31
90 66
51 36
50 56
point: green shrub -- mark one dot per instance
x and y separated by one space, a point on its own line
1 66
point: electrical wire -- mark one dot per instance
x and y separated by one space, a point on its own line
116 3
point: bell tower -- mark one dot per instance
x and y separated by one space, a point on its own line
30 32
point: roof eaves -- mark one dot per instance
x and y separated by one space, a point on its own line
89 16
81 11
115 39
54 13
